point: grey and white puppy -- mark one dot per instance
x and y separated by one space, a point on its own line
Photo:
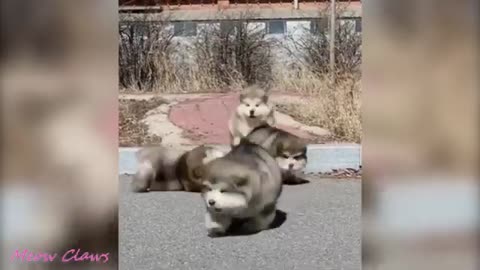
243 185
289 151
254 110
164 168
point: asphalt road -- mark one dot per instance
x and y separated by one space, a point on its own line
165 230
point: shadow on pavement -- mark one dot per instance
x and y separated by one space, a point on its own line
235 228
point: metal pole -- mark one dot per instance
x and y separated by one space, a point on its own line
332 36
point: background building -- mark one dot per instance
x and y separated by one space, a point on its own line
278 16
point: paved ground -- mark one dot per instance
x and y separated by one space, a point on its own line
164 230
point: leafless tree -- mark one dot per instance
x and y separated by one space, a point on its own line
145 53
236 50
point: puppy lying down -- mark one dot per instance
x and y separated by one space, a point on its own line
164 168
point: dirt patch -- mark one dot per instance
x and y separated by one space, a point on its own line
132 131
347 173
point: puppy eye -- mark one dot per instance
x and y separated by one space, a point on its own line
248 105
285 156
298 157
257 105
222 191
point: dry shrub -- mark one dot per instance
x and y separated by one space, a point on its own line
221 55
145 55
311 50
151 60
333 103
335 107
235 51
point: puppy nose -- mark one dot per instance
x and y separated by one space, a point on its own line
211 202
251 112
290 166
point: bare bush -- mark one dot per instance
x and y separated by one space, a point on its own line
311 49
145 54
334 106
223 54
235 51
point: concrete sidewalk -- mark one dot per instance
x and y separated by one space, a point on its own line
321 158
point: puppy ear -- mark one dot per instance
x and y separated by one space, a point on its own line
278 149
198 172
265 98
241 181
203 150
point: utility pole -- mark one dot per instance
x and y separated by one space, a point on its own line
332 37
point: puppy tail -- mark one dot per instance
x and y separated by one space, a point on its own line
143 178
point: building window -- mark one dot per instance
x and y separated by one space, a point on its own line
229 27
358 25
186 29
319 26
276 27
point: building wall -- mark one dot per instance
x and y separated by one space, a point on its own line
294 29
266 12
290 28
161 5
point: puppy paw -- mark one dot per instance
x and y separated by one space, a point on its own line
216 225
293 179
215 232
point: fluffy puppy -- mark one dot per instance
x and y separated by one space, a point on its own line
243 185
168 169
254 110
289 151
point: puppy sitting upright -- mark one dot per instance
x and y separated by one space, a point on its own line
254 110
168 169
243 185
289 151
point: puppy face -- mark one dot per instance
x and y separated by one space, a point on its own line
292 162
253 108
223 198
226 189
291 154
253 104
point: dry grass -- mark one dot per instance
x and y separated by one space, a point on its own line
220 57
335 107
132 132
